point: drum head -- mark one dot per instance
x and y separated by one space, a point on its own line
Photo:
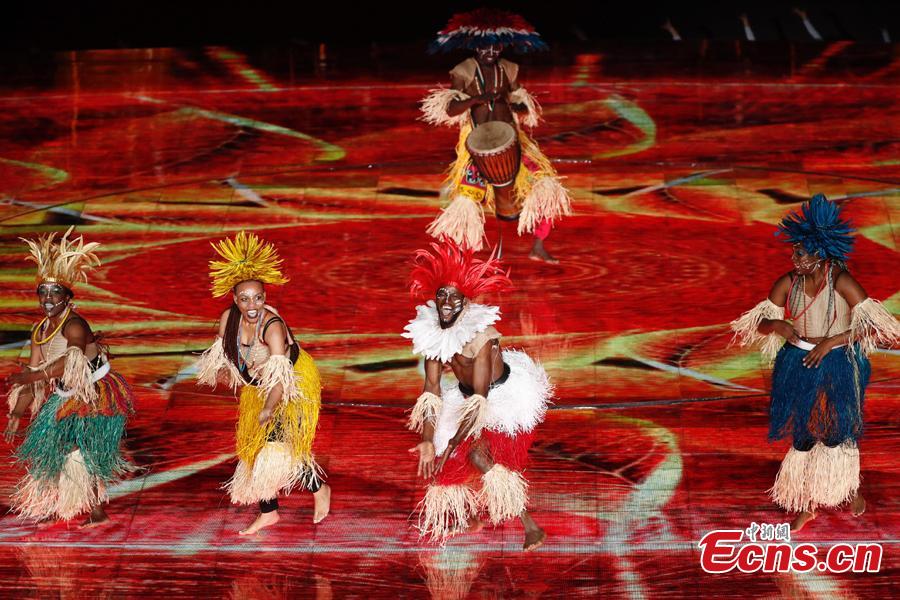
491 136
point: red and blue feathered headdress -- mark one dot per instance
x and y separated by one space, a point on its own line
486 27
451 265
819 229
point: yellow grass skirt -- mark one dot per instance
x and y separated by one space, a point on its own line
277 456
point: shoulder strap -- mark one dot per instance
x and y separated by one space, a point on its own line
475 345
276 319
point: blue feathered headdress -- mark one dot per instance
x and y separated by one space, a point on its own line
487 27
819 228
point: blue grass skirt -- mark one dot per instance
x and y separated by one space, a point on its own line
824 404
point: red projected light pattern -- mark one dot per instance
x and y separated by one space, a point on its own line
679 168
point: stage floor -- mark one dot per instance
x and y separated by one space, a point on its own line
680 160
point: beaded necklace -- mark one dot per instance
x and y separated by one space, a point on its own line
797 305
37 329
480 81
242 358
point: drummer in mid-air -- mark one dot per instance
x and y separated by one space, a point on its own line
498 166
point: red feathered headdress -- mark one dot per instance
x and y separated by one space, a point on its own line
451 265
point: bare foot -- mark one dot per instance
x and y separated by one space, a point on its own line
261 522
858 506
97 517
474 526
801 520
322 500
534 539
540 254
46 523
94 522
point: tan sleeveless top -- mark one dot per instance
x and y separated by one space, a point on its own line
58 345
257 357
818 321
474 346
53 349
260 353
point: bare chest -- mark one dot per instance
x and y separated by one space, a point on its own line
462 368
501 112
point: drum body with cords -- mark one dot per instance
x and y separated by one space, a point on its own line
494 147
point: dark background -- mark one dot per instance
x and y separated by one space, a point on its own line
48 26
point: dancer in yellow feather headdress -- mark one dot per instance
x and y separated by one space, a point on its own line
279 405
78 404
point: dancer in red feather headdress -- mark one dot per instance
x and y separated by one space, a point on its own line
483 427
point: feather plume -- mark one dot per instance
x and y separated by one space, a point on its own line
819 229
67 262
451 265
247 258
486 27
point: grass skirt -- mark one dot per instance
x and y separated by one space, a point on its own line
537 193
461 492
823 476
278 456
822 404
72 452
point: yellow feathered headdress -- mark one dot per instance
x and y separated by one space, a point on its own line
246 258
66 262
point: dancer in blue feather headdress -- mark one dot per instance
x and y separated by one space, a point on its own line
818 228
820 375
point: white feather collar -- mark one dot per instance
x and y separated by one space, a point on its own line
433 342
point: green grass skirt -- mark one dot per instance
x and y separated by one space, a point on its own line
50 440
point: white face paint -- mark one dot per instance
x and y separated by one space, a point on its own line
250 298
53 298
450 303
804 263
489 54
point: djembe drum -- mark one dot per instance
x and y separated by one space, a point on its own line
494 147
